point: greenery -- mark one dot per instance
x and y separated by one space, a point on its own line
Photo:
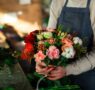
66 87
7 57
8 88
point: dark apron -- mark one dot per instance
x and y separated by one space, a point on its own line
78 20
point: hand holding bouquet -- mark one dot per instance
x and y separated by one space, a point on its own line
53 49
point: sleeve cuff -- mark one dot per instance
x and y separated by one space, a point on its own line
71 70
78 67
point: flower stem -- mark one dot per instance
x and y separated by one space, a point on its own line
39 81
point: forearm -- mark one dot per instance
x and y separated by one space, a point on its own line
54 14
84 64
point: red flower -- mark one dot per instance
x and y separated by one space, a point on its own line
30 38
29 47
27 52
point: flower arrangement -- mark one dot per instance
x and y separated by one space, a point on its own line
53 48
48 47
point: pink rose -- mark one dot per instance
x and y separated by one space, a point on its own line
39 56
53 52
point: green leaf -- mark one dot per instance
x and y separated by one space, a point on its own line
47 61
60 27
58 44
46 44
63 61
80 50
37 75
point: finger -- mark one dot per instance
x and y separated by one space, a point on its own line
53 78
42 64
40 70
54 75
43 71
55 72
49 70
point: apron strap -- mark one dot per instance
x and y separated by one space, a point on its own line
66 3
88 3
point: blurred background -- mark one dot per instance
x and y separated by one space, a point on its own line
18 18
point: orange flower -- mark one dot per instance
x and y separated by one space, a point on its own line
63 47
51 40
67 42
41 47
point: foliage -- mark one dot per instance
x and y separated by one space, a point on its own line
7 57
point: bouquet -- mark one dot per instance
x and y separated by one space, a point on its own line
53 48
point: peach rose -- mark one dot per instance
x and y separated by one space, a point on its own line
39 56
67 42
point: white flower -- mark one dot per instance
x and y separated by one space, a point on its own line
40 37
77 40
40 42
69 53
47 35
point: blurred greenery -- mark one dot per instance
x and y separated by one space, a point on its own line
7 57
8 88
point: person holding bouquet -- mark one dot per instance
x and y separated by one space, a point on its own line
79 15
